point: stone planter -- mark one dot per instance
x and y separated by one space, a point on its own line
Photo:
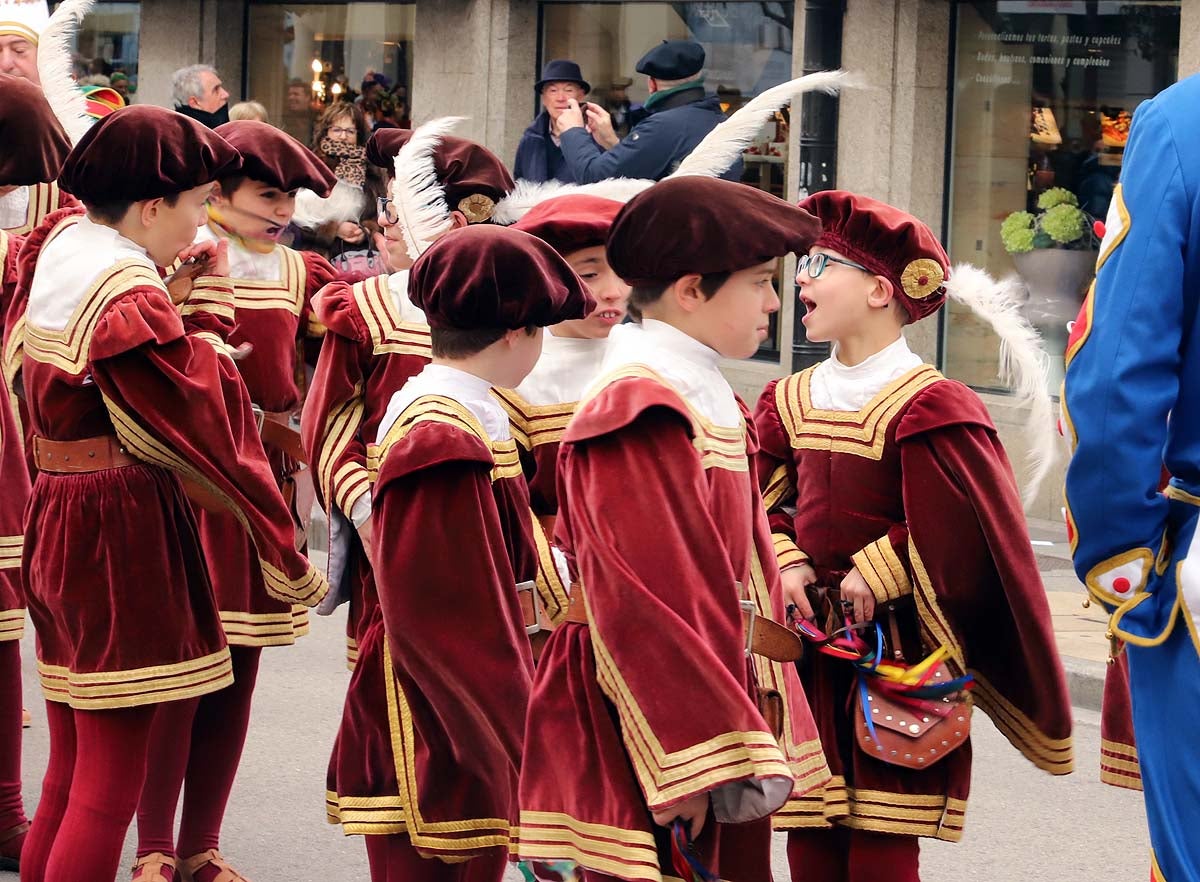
1057 280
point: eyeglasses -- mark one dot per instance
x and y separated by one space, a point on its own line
386 209
815 264
342 130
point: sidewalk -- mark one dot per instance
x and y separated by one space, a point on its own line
1078 629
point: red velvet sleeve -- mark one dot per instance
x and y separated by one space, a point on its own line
975 580
318 274
176 403
333 411
666 626
775 467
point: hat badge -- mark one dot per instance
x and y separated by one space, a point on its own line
476 208
922 277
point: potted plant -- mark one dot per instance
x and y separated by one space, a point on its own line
1055 255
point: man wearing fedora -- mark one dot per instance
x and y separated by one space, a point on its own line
679 113
539 155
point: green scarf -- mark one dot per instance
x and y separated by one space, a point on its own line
663 93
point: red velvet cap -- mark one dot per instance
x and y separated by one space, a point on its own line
571 222
34 145
488 276
274 157
887 241
145 152
464 170
703 225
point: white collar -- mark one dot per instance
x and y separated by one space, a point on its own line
245 264
398 288
472 392
69 265
690 367
567 366
837 386
14 209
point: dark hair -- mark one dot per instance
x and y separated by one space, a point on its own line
456 343
644 295
231 184
114 212
331 114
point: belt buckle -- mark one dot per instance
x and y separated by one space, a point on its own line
536 600
260 416
749 615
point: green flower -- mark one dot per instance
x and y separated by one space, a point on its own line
1064 223
1056 196
1017 241
1018 220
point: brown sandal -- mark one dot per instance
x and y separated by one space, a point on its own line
12 864
213 858
154 867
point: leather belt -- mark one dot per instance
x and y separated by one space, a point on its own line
765 637
276 430
531 607
79 457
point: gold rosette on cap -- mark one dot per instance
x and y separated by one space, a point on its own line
476 207
922 277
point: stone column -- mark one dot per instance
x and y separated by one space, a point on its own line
176 33
1189 38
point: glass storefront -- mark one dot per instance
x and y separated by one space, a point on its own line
301 57
107 43
1042 95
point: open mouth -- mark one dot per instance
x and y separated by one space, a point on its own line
609 316
274 231
809 306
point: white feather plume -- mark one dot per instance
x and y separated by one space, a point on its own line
345 203
723 146
527 194
418 196
1024 362
55 45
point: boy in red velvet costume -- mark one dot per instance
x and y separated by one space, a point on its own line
452 517
892 500
128 392
34 150
273 287
644 708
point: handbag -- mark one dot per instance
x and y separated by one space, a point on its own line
359 264
914 733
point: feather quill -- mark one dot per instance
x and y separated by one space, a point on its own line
63 95
345 203
418 196
527 194
723 146
1024 363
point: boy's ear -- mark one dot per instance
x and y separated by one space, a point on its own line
217 193
149 209
883 294
458 220
687 293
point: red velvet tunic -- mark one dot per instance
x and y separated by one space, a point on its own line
44 200
13 478
274 317
1119 764
430 741
113 571
651 703
370 350
916 491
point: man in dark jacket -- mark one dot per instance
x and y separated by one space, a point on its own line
539 156
679 112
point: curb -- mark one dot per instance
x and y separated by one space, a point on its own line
1085 682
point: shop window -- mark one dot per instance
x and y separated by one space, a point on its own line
748 48
302 57
1042 93
107 44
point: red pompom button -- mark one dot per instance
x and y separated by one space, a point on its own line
923 281
1120 585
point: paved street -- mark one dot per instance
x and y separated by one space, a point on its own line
1022 824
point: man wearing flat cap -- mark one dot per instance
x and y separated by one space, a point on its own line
539 155
679 115
437 793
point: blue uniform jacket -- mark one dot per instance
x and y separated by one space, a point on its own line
1131 401
656 145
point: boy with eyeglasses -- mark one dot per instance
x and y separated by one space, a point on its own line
896 516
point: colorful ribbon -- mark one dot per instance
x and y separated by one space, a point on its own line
684 858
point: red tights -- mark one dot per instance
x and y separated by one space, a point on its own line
12 810
844 855
90 792
200 741
393 859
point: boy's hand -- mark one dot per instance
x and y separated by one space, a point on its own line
691 811
199 259
366 535
351 232
855 590
795 582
